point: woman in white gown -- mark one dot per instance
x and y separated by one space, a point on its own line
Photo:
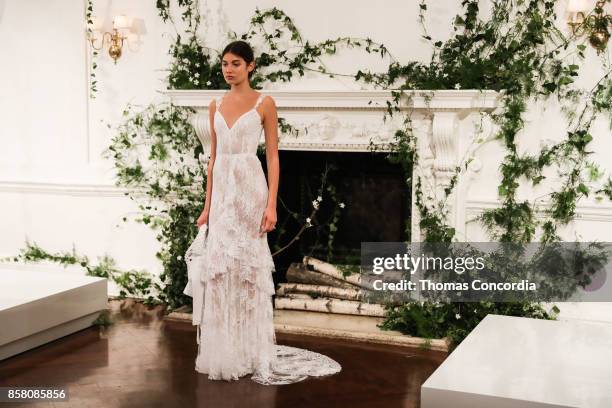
230 260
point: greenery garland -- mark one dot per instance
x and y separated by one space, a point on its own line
477 57
94 53
133 283
158 158
506 53
517 51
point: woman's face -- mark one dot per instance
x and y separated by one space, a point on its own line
235 69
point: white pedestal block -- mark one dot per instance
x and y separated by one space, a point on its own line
37 307
519 362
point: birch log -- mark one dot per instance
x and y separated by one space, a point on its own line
321 290
327 305
331 270
361 278
299 273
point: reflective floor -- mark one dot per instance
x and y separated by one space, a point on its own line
143 360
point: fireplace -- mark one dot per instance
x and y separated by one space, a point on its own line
338 129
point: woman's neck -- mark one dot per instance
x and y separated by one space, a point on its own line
242 88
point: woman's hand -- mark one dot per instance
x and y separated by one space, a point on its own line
203 218
268 221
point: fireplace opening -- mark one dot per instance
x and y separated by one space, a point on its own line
373 192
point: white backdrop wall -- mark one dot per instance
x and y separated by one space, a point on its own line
55 188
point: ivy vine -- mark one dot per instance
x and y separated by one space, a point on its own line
517 51
158 158
94 53
132 283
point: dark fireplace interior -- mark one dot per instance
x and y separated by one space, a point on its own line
376 205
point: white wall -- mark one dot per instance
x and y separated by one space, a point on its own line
55 188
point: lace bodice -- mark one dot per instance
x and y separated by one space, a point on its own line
244 134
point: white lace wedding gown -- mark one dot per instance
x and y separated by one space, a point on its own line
230 271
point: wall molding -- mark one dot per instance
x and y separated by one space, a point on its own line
63 189
588 211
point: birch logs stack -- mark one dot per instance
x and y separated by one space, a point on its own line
318 286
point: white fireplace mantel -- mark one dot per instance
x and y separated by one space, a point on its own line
355 121
291 99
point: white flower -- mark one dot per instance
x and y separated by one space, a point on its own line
208 83
196 82
197 75
315 204
185 60
308 220
319 198
457 316
457 86
197 64
179 257
341 205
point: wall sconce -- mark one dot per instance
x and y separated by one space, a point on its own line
114 39
596 24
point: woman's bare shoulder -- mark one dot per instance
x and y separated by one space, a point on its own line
268 102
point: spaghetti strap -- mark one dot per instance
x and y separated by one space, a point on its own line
259 101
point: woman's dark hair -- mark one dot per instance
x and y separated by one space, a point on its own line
242 49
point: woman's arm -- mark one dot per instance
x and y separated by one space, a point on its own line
271 131
213 152
270 118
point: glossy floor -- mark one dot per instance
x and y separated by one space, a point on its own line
143 360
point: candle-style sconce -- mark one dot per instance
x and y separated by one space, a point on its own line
114 39
596 24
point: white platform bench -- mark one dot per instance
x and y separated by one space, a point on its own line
37 307
519 362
